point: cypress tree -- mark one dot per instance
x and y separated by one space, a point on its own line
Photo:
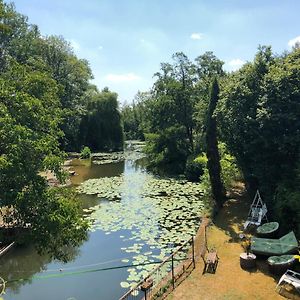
212 152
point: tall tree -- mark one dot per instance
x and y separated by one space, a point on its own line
259 113
30 115
134 116
212 152
101 128
208 67
30 129
170 113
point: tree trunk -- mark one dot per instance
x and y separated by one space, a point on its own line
212 152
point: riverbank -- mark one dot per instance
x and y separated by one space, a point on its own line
230 281
133 150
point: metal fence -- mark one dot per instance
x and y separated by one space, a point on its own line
166 276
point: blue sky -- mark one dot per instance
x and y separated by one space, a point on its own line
126 40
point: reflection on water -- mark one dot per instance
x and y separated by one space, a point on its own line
32 276
21 263
57 281
87 170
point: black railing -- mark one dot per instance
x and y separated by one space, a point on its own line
166 276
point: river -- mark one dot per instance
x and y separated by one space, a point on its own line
140 219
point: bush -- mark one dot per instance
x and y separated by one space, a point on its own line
287 207
167 151
230 171
195 167
85 153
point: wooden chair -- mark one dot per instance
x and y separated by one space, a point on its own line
210 257
211 260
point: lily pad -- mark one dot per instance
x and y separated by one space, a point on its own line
125 284
158 214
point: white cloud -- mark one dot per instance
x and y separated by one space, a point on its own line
74 44
235 62
128 77
292 42
100 47
196 36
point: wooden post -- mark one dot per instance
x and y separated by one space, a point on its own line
146 285
173 278
193 251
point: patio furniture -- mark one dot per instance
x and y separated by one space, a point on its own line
257 213
267 230
280 264
289 285
209 256
285 245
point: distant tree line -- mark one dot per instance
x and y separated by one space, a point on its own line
257 124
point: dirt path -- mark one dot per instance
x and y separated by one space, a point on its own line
230 282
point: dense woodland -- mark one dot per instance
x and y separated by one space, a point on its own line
257 119
197 120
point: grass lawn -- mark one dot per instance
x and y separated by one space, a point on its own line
230 281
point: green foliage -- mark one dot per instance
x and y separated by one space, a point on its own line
85 152
31 118
229 169
169 115
287 206
134 118
167 151
259 111
55 219
286 201
52 55
239 108
195 167
212 151
180 98
101 128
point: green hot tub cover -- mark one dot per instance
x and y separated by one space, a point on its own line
285 245
282 259
267 228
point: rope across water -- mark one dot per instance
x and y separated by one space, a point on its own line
63 273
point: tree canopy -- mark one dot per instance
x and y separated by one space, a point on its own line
259 111
257 116
45 97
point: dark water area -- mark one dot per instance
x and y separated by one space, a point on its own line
85 170
93 255
31 276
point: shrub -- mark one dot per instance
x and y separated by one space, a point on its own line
195 167
85 152
287 207
167 151
229 169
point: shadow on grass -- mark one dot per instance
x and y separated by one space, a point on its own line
234 213
231 219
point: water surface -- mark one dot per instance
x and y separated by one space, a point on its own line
109 244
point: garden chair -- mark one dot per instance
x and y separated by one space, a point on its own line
257 213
